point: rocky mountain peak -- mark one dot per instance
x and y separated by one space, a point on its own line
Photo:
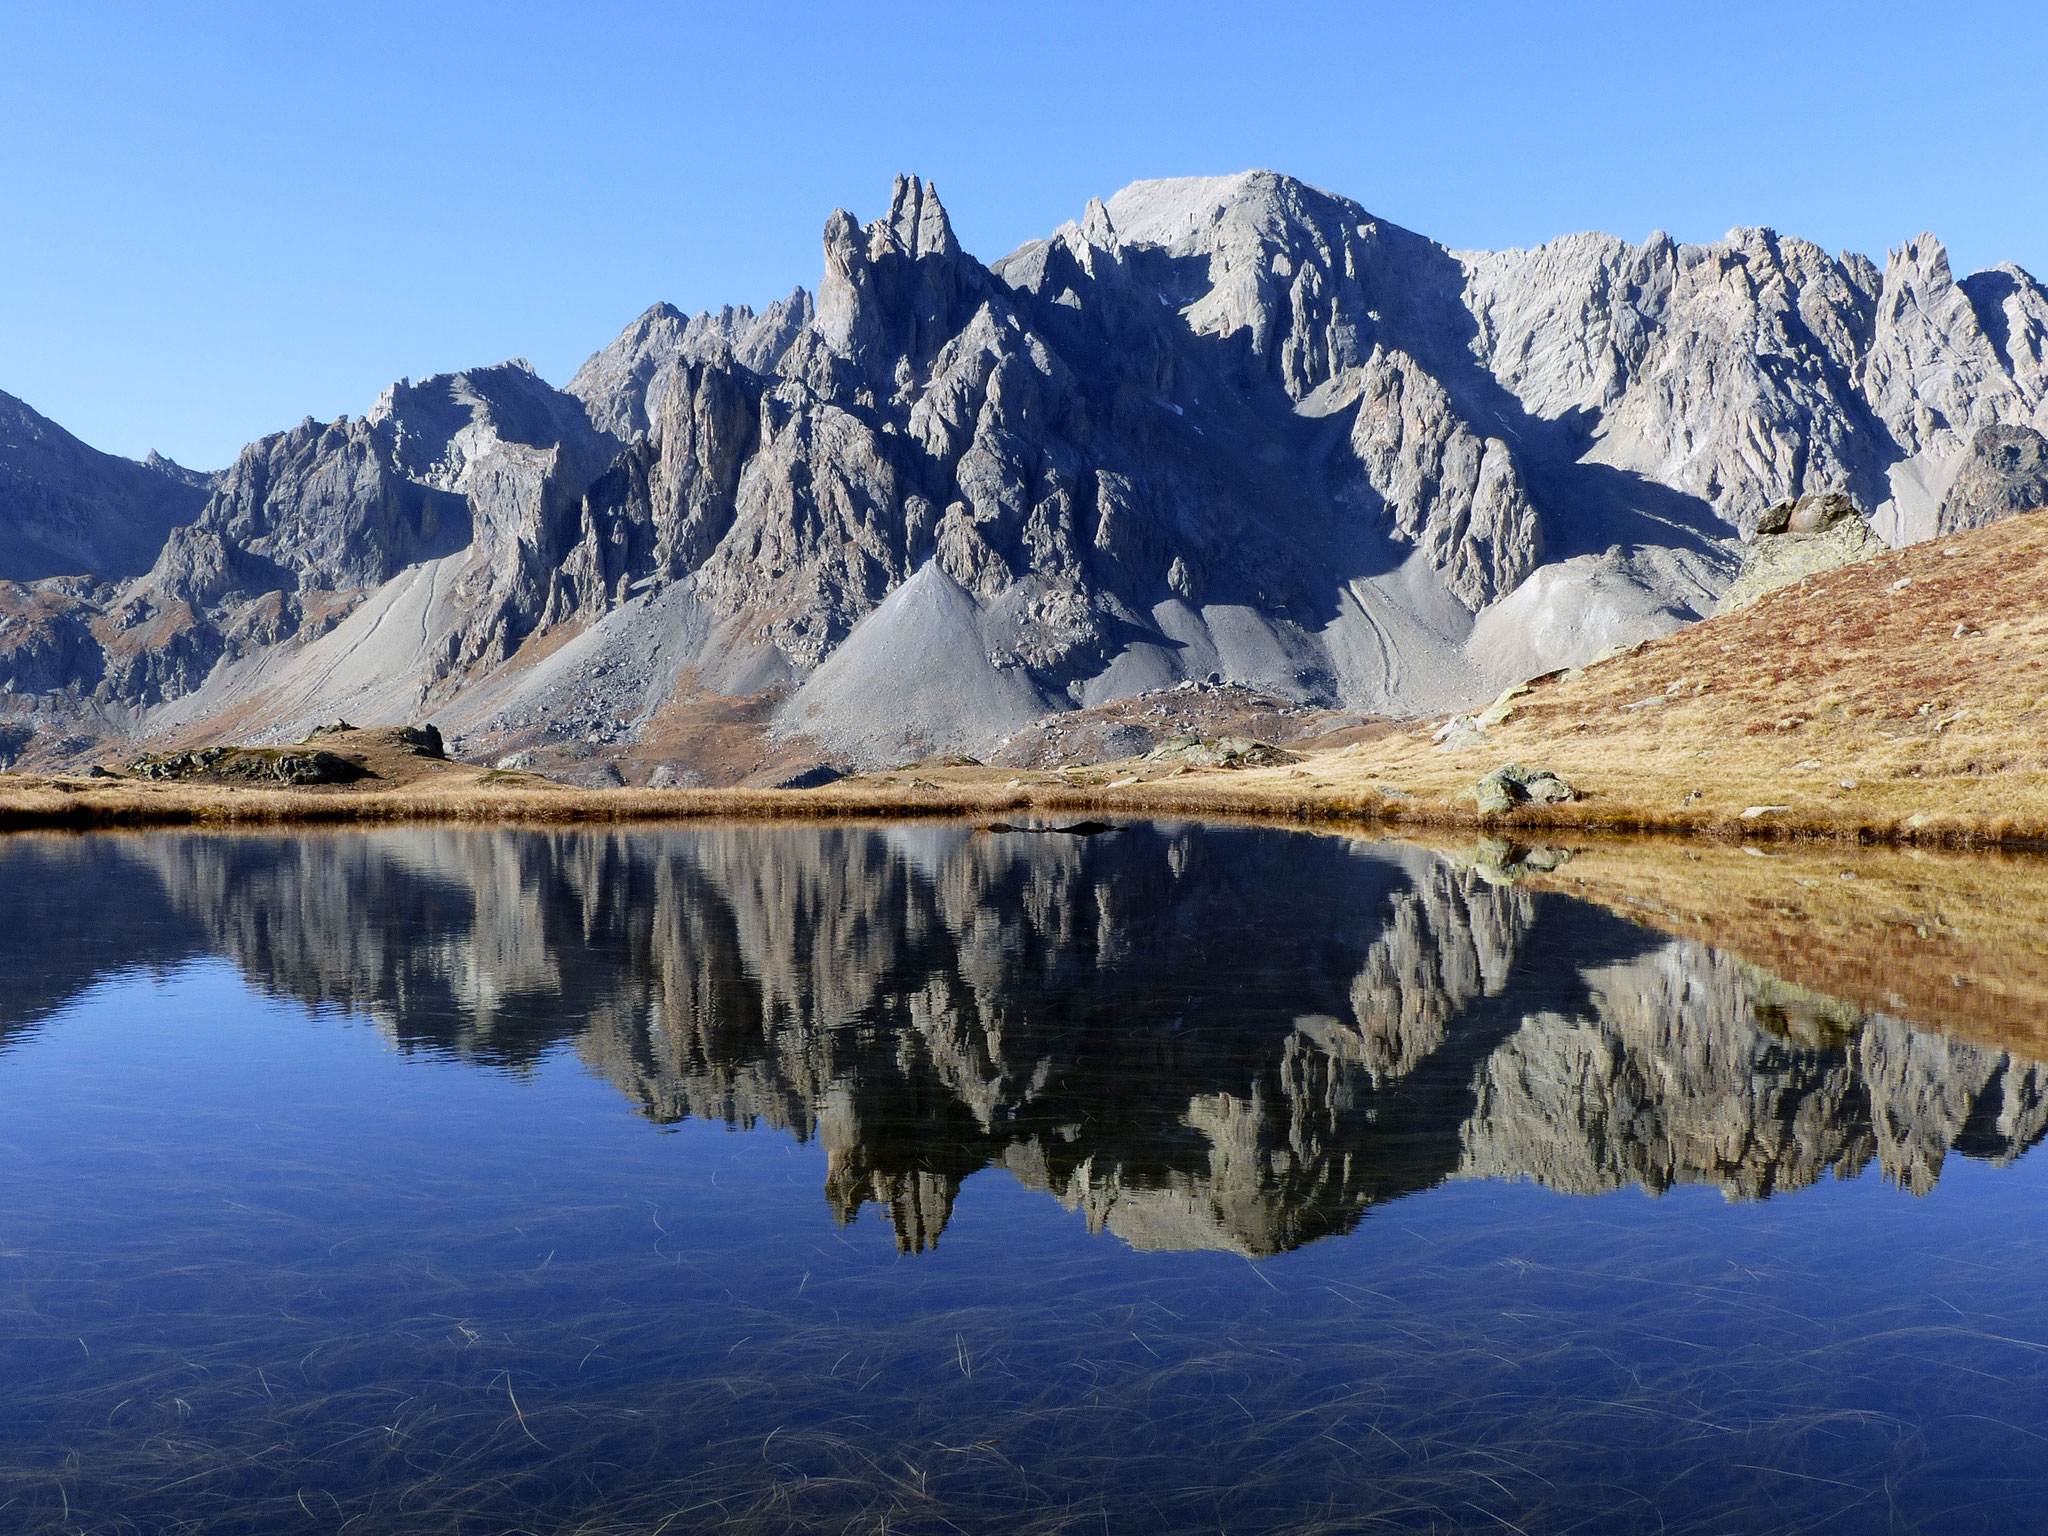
1234 425
897 288
916 224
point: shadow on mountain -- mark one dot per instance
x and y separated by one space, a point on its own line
1206 1037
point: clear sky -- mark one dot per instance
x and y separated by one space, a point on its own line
216 218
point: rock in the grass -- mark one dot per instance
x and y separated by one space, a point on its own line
1797 539
817 777
177 765
290 767
424 740
287 768
1458 733
1191 751
1507 787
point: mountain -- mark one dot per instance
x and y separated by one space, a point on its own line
70 510
1231 426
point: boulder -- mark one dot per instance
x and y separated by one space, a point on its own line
1190 751
424 740
815 777
1507 787
1797 539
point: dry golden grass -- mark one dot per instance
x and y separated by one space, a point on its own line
1950 940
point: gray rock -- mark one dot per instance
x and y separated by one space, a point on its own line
1222 752
2004 472
66 509
15 739
1512 785
1798 539
1807 514
1231 427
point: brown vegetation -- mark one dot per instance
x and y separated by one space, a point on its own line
1957 942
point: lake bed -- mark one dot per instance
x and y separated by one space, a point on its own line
1179 1177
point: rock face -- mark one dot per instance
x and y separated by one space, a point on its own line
70 510
2005 471
1232 426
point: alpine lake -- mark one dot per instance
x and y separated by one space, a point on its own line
925 1178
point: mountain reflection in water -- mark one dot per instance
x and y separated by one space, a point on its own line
1197 1037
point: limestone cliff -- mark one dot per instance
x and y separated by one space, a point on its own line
1233 425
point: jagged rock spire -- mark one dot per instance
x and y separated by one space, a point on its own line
896 282
916 224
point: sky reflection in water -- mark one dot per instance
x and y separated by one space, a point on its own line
1173 1179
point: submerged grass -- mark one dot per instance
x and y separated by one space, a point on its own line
1569 1407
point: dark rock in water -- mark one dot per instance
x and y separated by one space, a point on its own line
1500 862
1071 829
425 740
816 777
2004 472
1507 787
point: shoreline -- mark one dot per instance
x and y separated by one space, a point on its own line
1949 935
1274 796
1898 701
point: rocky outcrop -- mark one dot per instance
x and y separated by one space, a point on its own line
2005 472
1796 539
622 387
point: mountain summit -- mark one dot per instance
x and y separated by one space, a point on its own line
1231 427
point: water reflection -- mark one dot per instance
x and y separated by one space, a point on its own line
1197 1037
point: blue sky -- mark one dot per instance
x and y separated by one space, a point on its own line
217 219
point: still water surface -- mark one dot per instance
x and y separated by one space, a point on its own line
915 1179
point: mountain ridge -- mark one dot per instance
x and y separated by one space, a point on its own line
1230 425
